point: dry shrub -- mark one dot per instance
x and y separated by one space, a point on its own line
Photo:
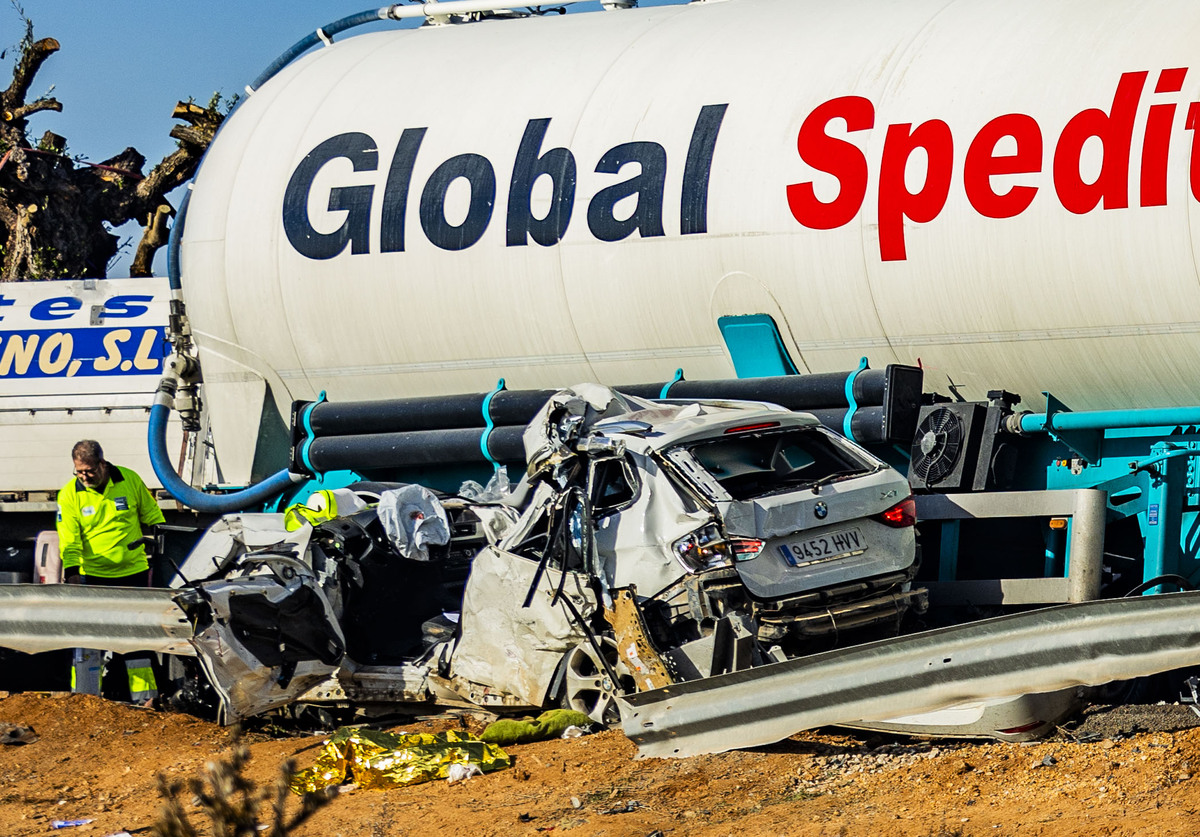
233 803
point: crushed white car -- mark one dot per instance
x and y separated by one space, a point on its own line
648 543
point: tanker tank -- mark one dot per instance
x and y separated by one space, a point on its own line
1001 192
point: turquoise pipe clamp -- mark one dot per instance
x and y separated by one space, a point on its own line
847 429
306 423
489 424
667 386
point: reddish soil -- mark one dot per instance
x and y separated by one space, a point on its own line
99 760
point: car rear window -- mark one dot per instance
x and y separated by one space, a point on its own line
749 465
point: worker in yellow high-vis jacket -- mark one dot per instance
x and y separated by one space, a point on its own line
101 513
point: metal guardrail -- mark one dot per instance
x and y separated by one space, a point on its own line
46 617
1039 651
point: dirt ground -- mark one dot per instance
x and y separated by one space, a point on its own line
98 760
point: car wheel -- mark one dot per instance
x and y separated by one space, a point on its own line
589 688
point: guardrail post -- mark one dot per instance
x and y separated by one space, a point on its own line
1085 556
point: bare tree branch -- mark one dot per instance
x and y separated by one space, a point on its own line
155 236
22 111
27 66
174 170
55 214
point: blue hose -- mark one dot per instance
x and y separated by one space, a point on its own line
198 500
156 434
311 40
174 240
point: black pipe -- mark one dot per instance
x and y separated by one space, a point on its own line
417 448
414 448
796 392
396 415
435 430
896 387
868 426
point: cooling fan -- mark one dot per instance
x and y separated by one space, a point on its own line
939 442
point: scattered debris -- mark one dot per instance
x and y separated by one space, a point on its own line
625 807
461 772
69 823
1192 698
824 773
16 734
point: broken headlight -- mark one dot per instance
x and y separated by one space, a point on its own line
706 549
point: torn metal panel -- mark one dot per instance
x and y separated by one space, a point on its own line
570 415
634 648
357 684
264 640
495 521
46 617
636 541
233 535
1040 651
515 649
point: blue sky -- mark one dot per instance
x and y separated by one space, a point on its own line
125 63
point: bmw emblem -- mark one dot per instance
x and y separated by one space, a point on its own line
821 511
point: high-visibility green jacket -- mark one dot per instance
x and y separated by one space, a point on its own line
95 528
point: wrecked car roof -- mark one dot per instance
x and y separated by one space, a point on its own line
674 424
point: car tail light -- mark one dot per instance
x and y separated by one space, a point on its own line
744 549
705 549
902 514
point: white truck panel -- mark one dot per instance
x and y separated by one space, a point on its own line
79 359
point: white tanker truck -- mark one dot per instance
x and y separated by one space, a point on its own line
995 195
910 219
995 192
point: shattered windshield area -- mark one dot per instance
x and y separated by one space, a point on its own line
751 465
614 486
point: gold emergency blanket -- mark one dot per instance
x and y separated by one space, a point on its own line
388 760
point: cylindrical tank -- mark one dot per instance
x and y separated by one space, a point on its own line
1001 191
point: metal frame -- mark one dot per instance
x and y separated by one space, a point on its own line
1087 513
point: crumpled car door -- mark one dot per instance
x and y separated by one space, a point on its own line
264 638
511 648
508 646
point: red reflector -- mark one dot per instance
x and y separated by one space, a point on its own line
761 426
1022 728
903 513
